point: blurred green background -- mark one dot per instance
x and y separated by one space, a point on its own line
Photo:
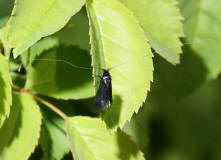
171 127
181 118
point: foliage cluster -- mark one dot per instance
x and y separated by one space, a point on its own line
45 103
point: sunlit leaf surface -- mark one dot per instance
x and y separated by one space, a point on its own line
20 133
5 89
161 21
32 20
119 43
89 139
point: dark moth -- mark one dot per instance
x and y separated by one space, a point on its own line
104 94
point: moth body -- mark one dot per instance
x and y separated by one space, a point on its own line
104 94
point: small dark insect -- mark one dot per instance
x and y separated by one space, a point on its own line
104 94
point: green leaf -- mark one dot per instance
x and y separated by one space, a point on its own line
139 127
161 21
18 80
202 28
4 44
55 77
28 56
5 89
20 133
118 42
187 78
13 66
77 34
5 7
3 21
32 20
89 139
53 138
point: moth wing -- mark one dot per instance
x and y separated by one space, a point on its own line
109 94
103 97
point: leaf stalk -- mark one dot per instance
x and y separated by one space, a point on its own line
46 103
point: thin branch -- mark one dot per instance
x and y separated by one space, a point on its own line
46 103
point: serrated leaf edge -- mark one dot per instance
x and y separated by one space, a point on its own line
39 131
121 125
91 51
68 137
8 78
15 54
126 135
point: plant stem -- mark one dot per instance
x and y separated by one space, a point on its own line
46 103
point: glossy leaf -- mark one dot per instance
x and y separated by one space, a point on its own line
5 90
161 21
32 20
118 42
20 133
202 28
54 74
89 139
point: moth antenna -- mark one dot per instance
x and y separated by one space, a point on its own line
153 52
64 61
117 65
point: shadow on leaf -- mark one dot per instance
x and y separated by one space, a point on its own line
127 147
53 75
11 127
182 79
112 114
3 97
